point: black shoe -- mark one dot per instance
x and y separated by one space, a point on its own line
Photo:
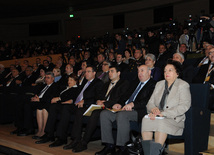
106 150
26 132
125 151
15 131
45 139
80 147
58 142
36 137
71 145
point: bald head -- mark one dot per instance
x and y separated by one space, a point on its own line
144 73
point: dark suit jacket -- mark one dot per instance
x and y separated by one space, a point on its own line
2 76
123 67
157 74
187 73
28 81
105 77
161 62
141 99
200 77
71 93
92 92
115 93
49 94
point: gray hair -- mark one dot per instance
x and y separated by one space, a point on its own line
50 73
152 56
180 54
108 62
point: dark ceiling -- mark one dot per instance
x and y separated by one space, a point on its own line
21 8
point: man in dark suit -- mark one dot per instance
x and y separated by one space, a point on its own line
120 63
29 78
111 92
25 110
133 106
64 79
206 75
11 82
47 67
188 70
88 94
139 60
65 109
3 73
205 59
163 56
100 58
75 65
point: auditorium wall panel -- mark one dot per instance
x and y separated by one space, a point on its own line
99 21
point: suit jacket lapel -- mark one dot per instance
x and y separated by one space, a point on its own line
144 87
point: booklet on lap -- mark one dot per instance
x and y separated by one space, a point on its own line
157 117
92 108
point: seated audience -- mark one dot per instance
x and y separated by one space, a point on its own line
104 75
87 95
133 107
163 56
41 100
205 59
57 74
81 73
170 100
111 57
138 60
41 79
206 75
100 58
187 70
63 80
119 61
156 72
128 56
111 92
62 102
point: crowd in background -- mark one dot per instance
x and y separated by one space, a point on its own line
127 50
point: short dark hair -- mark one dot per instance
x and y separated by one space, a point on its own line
102 55
73 76
87 63
139 50
177 65
116 67
46 61
93 68
70 65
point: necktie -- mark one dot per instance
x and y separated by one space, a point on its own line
43 90
131 99
211 68
80 96
202 62
109 90
100 77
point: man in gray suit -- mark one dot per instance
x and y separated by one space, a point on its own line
104 76
133 108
